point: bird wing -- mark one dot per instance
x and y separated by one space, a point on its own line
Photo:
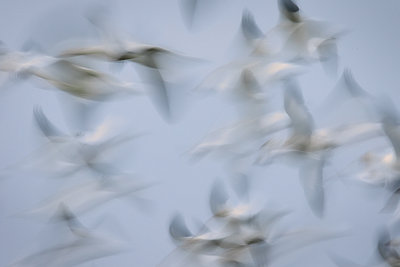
218 197
328 55
259 253
311 178
390 123
44 124
354 133
249 27
352 86
178 228
223 78
158 91
301 119
95 50
188 10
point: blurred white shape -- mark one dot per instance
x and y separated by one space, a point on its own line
156 59
78 246
298 38
67 76
232 140
309 146
67 154
85 197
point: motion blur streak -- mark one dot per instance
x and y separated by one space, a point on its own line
199 133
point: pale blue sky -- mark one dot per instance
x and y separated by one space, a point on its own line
370 49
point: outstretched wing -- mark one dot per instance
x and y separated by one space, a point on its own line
44 124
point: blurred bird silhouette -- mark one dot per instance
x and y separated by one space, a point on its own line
156 60
311 147
67 76
85 197
80 245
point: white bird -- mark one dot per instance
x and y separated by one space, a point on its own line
384 169
388 248
82 150
267 73
155 58
144 54
67 76
85 82
201 243
232 215
253 237
308 39
304 138
380 168
67 154
234 139
311 146
246 85
237 142
233 242
243 234
196 249
299 38
14 61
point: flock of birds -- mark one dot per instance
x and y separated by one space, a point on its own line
239 232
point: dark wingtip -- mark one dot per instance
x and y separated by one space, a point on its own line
178 228
218 197
352 86
39 116
249 27
289 6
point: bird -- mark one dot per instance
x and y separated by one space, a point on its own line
379 168
194 248
298 38
311 146
84 82
188 11
232 243
67 76
234 138
384 169
154 58
197 243
242 234
236 141
71 153
266 72
251 31
82 149
387 248
233 215
305 138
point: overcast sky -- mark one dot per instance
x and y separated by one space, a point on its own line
369 49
